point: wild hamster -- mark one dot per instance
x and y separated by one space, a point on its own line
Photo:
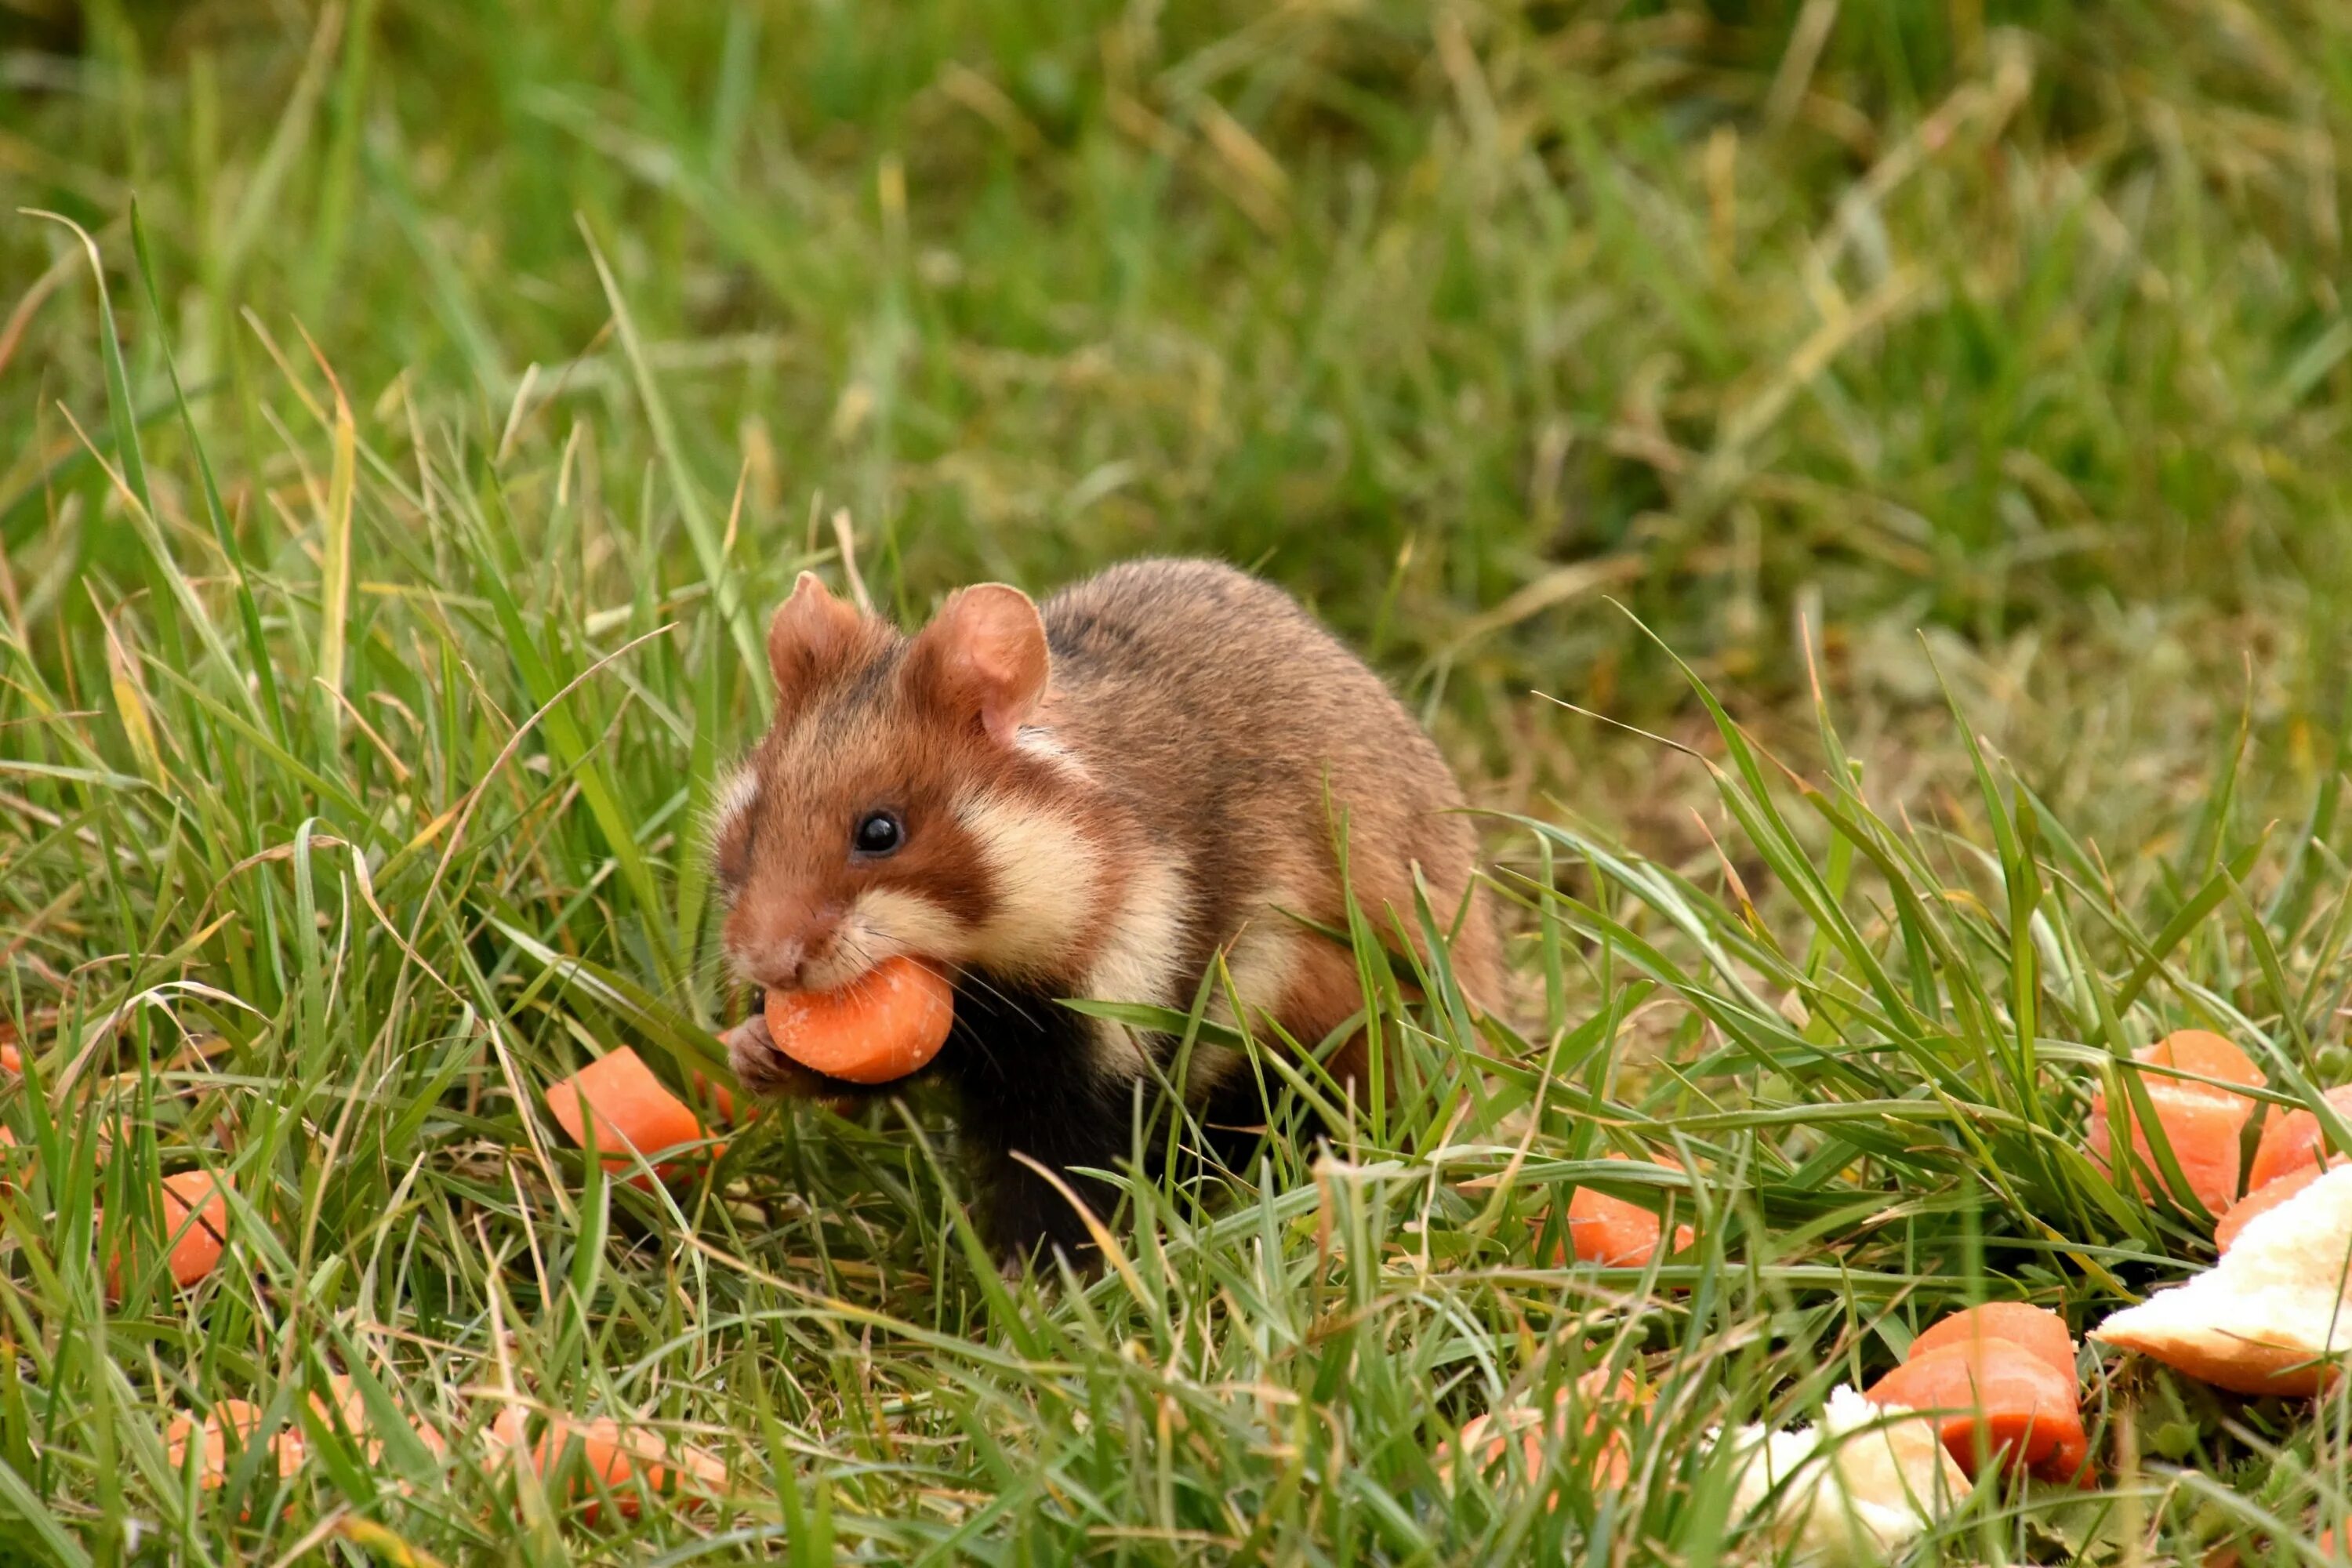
1089 799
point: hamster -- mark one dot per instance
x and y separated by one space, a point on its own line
1087 799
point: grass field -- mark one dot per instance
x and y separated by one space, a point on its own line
397 466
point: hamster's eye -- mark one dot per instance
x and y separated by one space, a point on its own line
878 833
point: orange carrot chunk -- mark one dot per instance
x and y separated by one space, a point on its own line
611 1457
195 1228
709 1092
2028 1414
633 1112
1614 1232
2261 1201
2294 1142
2206 1054
211 1440
2201 1122
1484 1440
2202 1130
883 1025
196 1249
2034 1329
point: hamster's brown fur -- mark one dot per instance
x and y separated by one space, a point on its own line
1095 800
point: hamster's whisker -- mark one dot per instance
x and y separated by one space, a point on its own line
981 982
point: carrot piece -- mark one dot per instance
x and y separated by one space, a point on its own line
611 1457
241 1417
631 1108
2200 1129
2037 1330
197 1249
2261 1201
1485 1439
883 1025
710 1091
2206 1054
2201 1122
16 1162
2028 1413
2294 1142
1614 1232
196 1242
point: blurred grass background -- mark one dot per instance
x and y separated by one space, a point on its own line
1981 317
2004 335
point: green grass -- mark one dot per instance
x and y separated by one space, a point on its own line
357 707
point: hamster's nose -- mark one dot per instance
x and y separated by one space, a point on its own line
774 942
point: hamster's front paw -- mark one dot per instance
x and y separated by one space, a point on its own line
764 1070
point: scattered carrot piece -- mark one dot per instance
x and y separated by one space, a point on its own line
709 1092
2202 1123
2206 1054
1484 1440
201 1237
195 1227
632 1110
2293 1142
2034 1329
197 1250
611 1456
287 1447
2026 1413
1615 1233
883 1025
229 1415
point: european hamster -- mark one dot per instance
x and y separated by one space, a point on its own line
1087 799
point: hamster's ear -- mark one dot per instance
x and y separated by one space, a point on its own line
811 630
982 661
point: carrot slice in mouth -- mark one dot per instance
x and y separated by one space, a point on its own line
2021 1409
888 1021
632 1110
2201 1122
1614 1232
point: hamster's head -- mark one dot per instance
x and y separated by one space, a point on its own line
909 797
